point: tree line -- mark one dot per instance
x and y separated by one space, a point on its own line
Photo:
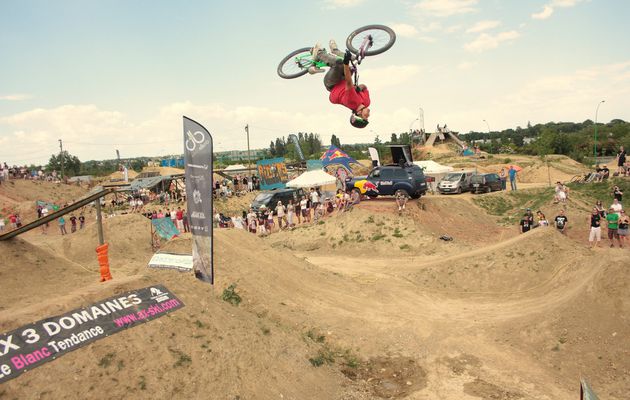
576 140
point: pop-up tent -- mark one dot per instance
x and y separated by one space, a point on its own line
310 179
434 170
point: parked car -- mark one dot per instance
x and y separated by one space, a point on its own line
485 183
455 182
387 180
270 198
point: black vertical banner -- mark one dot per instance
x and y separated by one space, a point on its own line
198 170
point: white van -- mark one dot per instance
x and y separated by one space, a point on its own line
456 182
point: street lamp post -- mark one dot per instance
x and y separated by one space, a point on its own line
488 125
595 144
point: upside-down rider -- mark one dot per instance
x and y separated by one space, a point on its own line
338 81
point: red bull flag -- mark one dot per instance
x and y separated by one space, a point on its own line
335 155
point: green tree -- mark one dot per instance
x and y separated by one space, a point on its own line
71 164
334 140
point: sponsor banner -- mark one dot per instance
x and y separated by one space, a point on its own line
586 392
50 206
180 262
296 143
198 173
273 173
33 345
165 228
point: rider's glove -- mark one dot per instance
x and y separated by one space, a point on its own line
347 57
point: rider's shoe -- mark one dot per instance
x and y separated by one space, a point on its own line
314 70
315 51
334 49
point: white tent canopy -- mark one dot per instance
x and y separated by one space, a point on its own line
311 179
430 167
235 167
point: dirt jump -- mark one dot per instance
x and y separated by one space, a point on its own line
366 304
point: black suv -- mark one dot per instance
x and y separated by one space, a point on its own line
387 180
485 183
270 198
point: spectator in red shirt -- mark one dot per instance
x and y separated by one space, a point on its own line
338 81
179 216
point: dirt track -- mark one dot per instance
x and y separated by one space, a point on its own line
392 311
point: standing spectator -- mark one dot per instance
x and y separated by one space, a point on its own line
512 173
595 234
179 218
561 222
616 206
18 220
62 225
81 221
73 223
44 215
617 193
280 211
250 184
613 227
401 200
600 209
174 217
314 199
306 212
39 211
13 220
621 160
185 221
1 223
622 230
526 223
290 214
503 178
541 219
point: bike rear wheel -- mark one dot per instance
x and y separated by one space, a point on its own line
296 63
383 38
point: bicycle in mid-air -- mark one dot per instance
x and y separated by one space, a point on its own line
368 40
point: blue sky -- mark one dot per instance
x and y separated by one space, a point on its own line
103 75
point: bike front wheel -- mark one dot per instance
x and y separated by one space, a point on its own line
371 40
296 63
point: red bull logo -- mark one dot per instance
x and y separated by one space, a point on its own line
366 186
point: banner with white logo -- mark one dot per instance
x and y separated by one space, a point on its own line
198 173
32 345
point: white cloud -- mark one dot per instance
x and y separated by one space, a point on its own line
16 97
335 4
486 41
466 65
378 78
483 26
548 9
544 14
405 30
446 8
411 32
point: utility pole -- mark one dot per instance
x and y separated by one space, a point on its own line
249 160
61 157
595 139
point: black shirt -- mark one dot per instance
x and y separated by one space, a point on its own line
526 224
622 157
561 220
618 194
595 220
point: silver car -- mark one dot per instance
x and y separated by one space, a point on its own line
455 182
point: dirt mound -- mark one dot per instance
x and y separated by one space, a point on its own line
128 236
164 170
32 273
18 195
518 264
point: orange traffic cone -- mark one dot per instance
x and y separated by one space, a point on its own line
103 261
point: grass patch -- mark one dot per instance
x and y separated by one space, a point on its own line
377 236
231 296
397 233
370 219
183 359
404 247
265 331
106 360
199 324
142 383
315 336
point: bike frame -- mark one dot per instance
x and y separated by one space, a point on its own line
365 46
